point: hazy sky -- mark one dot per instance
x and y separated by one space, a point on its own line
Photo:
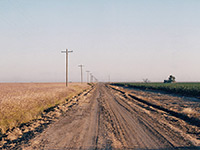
127 39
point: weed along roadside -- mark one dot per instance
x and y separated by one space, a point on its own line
22 102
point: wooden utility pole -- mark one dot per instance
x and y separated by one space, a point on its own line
81 66
88 74
95 79
91 78
67 53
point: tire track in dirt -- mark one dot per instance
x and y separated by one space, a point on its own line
21 135
105 118
76 130
129 126
139 105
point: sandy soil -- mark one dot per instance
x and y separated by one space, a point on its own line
108 117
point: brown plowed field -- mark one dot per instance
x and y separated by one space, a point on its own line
110 117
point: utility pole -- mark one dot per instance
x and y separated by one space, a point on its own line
81 66
88 73
96 80
91 78
67 52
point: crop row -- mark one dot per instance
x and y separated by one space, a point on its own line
186 89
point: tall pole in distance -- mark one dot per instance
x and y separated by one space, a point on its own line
81 66
88 73
91 78
95 79
67 53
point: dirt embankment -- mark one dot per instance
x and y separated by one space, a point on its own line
112 118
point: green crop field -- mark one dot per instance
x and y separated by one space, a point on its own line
187 89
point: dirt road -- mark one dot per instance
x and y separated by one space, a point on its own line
106 118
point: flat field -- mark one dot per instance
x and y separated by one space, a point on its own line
22 102
112 117
186 89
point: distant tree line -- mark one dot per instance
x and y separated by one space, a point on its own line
171 79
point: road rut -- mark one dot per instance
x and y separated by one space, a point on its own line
105 119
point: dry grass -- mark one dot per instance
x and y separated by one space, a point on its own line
22 102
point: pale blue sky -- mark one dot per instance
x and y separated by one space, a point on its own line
126 39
